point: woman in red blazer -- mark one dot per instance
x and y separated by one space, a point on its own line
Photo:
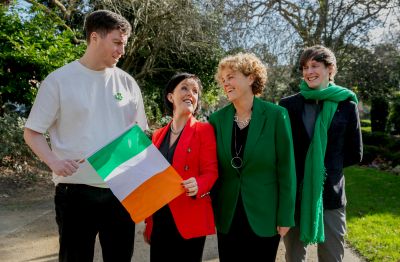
177 231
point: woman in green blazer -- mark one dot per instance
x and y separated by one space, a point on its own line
254 197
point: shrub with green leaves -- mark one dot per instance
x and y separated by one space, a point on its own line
370 152
376 138
31 47
14 153
394 117
381 145
379 114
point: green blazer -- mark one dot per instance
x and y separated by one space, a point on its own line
267 179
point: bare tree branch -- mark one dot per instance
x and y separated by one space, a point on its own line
54 16
323 21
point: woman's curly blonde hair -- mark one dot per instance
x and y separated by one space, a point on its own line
247 64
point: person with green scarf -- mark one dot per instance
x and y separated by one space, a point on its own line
326 137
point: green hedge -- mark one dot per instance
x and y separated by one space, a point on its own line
14 153
382 145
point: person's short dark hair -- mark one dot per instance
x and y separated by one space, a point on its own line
173 83
105 21
320 54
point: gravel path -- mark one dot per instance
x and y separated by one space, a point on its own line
29 233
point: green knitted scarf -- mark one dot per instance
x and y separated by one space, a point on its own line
311 216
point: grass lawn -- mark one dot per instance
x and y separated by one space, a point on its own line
373 213
366 125
366 129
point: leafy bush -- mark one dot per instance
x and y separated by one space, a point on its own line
393 157
381 147
31 47
379 114
370 153
376 138
394 117
14 153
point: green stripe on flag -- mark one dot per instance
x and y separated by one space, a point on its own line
118 151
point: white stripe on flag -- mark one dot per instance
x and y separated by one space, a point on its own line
134 172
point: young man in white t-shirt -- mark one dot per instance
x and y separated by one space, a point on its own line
83 105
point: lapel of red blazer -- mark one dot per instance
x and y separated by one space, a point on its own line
184 143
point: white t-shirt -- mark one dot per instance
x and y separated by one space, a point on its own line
83 110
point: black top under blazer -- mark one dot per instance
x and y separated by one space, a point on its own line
344 146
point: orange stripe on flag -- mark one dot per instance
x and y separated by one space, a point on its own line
153 194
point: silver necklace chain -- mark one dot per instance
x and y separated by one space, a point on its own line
173 131
241 123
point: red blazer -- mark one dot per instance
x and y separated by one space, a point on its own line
195 156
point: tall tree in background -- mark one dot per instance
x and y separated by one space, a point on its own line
164 31
288 26
168 36
69 14
375 75
191 35
331 23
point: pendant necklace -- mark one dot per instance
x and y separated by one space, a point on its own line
237 161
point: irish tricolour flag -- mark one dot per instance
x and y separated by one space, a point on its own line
137 173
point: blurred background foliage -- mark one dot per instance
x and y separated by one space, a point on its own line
169 36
